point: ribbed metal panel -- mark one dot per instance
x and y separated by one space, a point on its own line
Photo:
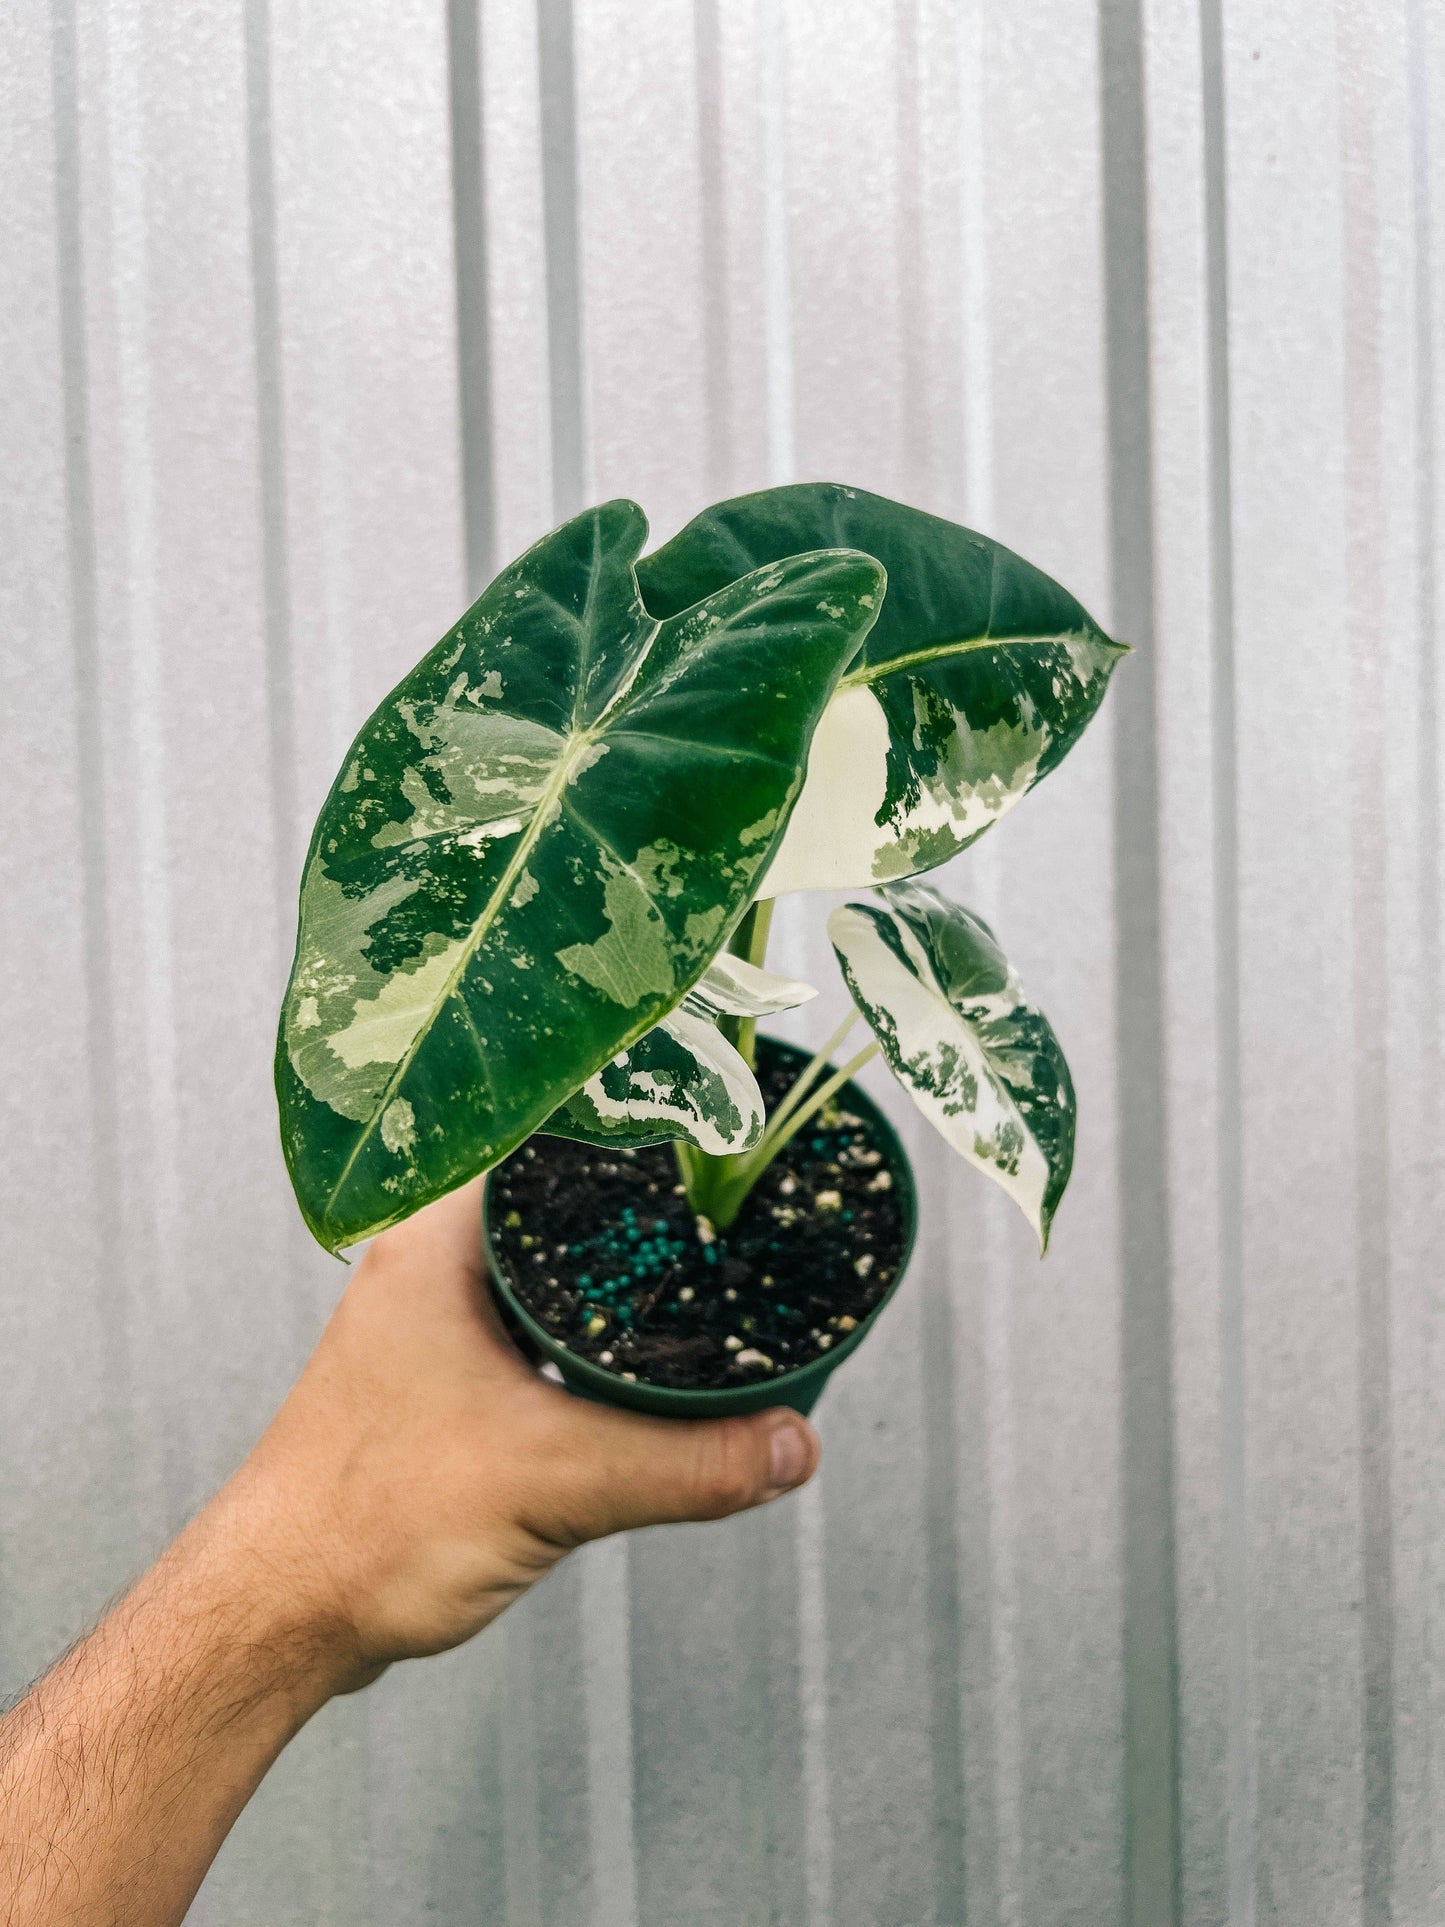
1120 1595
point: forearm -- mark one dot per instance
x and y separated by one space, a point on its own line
125 1768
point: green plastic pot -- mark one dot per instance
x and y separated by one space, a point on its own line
800 1389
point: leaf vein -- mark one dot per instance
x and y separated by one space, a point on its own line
936 652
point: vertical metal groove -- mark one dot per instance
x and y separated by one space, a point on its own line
521 1809
992 1755
813 1698
1241 1765
942 1581
975 345
1371 962
158 1072
474 337
938 1348
271 450
720 458
1428 724
1151 1632
556 60
600 1594
915 437
606 1603
777 275
98 963
1425 520
810 1522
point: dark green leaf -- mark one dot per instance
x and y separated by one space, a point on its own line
536 845
978 678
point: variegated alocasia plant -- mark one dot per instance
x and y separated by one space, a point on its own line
538 894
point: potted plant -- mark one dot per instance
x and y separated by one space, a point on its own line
534 918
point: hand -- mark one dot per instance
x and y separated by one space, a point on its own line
421 1475
419 1478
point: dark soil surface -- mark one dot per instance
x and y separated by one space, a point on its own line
604 1252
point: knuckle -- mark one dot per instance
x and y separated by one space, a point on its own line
727 1476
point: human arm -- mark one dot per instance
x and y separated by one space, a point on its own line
417 1480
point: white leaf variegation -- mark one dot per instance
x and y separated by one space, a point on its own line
684 1079
733 987
977 1057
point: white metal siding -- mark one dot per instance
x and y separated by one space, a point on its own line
1119 1597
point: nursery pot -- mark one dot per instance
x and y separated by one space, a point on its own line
511 1236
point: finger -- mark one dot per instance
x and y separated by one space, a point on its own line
450 1230
626 1470
433 1264
442 1241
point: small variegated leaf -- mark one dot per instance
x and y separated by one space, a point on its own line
977 679
682 1080
534 849
977 1057
732 987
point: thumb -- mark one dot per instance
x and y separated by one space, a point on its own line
629 1470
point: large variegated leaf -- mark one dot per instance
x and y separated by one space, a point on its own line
977 679
684 1079
536 845
978 1059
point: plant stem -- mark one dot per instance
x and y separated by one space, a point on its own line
687 1156
744 940
717 1186
708 1178
760 922
747 1169
758 938
753 1163
802 1084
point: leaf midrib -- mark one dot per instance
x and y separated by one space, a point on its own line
541 815
938 651
576 744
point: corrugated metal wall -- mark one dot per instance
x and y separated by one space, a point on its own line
1120 1595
